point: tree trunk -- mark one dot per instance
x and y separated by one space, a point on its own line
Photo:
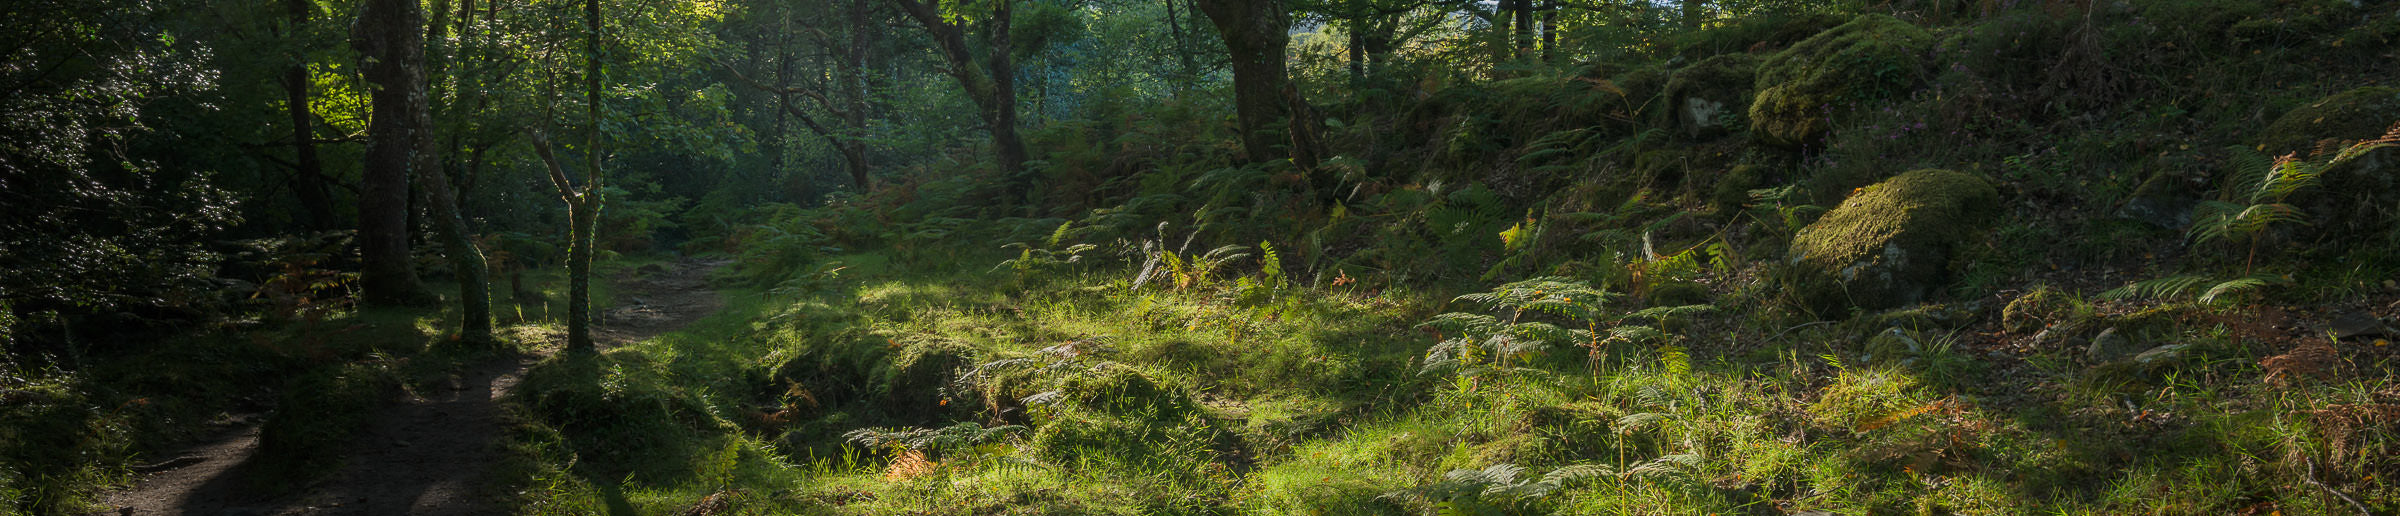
308 173
1550 31
458 241
387 275
993 90
1358 46
1695 13
1256 35
854 87
583 208
1524 29
402 115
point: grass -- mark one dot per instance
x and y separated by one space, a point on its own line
1189 402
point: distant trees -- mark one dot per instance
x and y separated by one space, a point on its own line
990 82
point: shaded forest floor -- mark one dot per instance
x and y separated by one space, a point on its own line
432 451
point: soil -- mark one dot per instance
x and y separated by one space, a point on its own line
431 453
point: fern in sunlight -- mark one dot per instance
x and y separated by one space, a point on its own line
2203 289
1504 334
1495 488
1032 261
2265 186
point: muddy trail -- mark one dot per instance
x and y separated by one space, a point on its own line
431 453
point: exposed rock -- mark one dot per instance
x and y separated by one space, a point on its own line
1889 245
2161 355
2357 324
1872 57
2108 346
1709 96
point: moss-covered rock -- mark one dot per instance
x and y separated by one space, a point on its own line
1709 96
2358 114
2035 310
1890 244
1870 58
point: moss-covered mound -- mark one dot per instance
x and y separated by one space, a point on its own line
2358 114
1890 244
1708 96
1871 57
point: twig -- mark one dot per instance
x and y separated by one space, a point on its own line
2312 480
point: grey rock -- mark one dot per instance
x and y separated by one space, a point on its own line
2108 346
2161 354
2357 324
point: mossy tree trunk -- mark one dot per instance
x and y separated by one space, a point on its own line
388 31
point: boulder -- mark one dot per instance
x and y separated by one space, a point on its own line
1890 244
1872 57
1709 96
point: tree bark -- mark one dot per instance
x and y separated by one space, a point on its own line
387 275
583 208
1550 31
1256 33
395 49
993 90
1524 28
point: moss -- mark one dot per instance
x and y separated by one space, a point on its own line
1708 95
1756 32
1889 245
1870 58
2358 114
2034 310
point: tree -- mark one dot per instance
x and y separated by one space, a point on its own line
308 173
389 36
848 104
385 35
584 201
1266 107
991 84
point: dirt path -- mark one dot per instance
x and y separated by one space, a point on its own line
429 454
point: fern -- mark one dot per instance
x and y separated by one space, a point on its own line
2202 289
1463 489
932 440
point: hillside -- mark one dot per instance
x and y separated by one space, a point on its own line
1045 257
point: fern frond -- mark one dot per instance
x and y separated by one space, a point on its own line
2161 288
2237 286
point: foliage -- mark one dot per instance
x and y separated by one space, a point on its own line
1050 256
1488 338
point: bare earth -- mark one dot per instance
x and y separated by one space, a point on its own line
429 454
